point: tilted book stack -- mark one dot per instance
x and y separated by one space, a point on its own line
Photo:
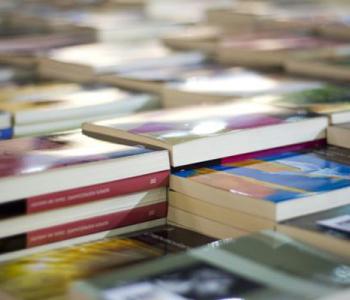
65 186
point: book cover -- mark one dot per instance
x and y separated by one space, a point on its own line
332 223
326 99
223 270
6 130
177 126
239 82
22 278
28 156
278 177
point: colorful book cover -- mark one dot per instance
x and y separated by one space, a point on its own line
326 99
23 278
26 156
227 270
239 82
278 177
178 126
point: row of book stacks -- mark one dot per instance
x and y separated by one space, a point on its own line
174 149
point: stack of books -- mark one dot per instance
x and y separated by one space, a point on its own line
133 130
65 186
45 107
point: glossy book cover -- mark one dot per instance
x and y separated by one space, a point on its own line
278 177
239 82
176 126
26 156
326 99
24 277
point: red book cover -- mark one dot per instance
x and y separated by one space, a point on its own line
96 192
97 224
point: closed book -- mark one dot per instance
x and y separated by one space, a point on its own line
328 230
338 135
234 128
218 84
272 49
283 269
152 79
20 280
277 186
80 63
5 126
336 67
38 171
68 223
329 100
44 114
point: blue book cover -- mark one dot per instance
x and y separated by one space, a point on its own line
278 177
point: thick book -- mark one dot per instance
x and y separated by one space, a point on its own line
273 49
190 133
43 168
329 68
79 63
203 225
339 135
218 84
277 186
329 230
196 208
226 270
20 280
5 126
330 100
52 113
67 223
152 79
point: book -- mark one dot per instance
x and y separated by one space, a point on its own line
274 49
56 159
276 186
203 225
217 84
236 220
43 113
152 79
21 280
338 135
231 269
190 133
66 223
331 68
79 63
329 100
328 230
5 126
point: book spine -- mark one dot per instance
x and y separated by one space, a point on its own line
6 133
96 224
96 192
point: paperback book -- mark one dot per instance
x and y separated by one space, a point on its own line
222 84
329 100
54 160
339 134
328 230
278 186
190 133
5 126
22 278
223 270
